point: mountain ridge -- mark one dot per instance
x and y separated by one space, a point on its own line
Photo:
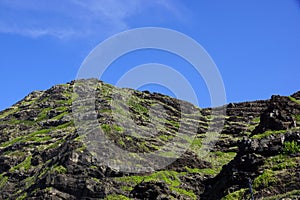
42 155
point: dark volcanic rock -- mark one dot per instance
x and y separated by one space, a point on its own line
296 95
247 165
279 115
152 190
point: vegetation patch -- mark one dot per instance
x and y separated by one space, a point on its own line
15 121
63 126
43 114
165 138
169 177
168 154
23 166
7 112
60 169
280 162
116 197
294 100
297 118
174 123
196 144
265 180
55 144
256 119
188 193
93 167
108 128
206 171
289 195
137 106
81 149
13 141
29 181
23 196
237 195
291 147
126 188
218 159
58 117
3 180
268 133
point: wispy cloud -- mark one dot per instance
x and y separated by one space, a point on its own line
75 18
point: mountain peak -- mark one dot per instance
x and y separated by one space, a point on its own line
112 143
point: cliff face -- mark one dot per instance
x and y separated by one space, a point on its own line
44 156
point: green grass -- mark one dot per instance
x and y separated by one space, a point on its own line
116 197
264 180
13 141
22 197
121 143
43 114
268 133
297 118
196 144
291 147
63 126
206 171
29 181
188 193
40 139
81 149
60 169
62 108
93 167
289 195
23 166
20 153
118 128
137 106
165 138
8 112
107 128
218 159
43 171
256 119
126 188
105 111
168 154
55 144
106 90
15 121
237 195
169 177
174 123
96 180
294 100
37 136
58 117
280 162
3 180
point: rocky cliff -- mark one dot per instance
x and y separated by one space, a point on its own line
44 156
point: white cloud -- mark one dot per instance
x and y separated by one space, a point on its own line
74 18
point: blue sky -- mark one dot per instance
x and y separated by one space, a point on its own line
255 44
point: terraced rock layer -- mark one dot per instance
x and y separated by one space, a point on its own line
43 155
